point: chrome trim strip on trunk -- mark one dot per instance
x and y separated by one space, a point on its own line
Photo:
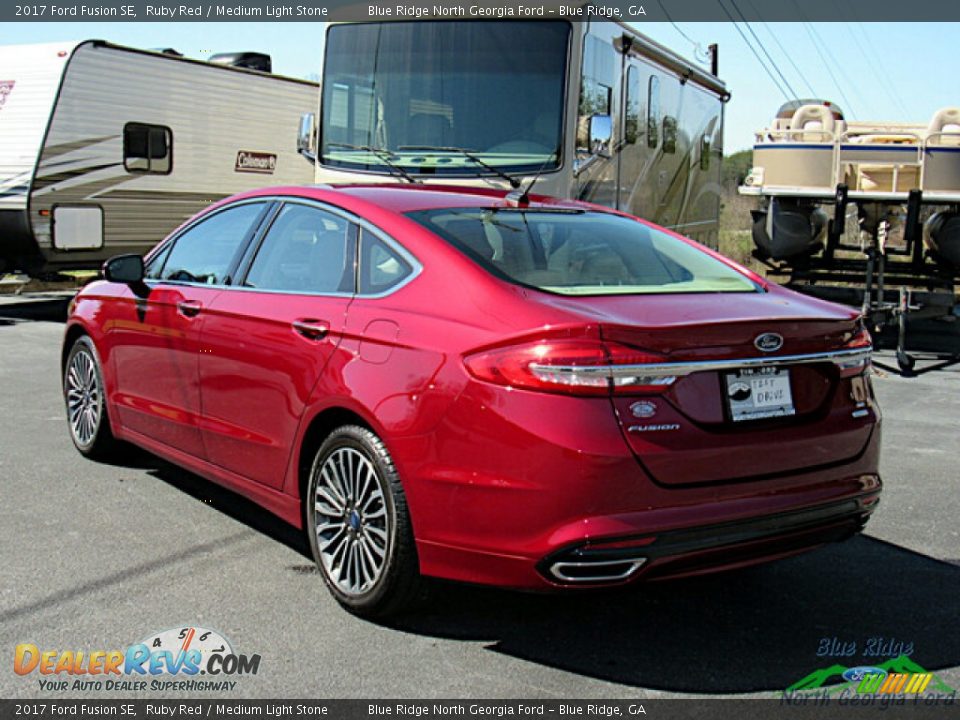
672 370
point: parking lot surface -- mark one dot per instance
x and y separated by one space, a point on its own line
97 557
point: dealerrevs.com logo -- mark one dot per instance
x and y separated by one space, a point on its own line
172 660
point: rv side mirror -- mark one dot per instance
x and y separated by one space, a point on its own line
601 133
307 137
127 269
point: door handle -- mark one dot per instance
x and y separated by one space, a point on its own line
312 329
189 308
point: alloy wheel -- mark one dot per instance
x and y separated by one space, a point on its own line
83 397
351 521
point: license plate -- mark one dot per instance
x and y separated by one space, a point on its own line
757 393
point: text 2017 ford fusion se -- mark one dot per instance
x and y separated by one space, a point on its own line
461 384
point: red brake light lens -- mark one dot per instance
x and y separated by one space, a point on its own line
576 367
858 363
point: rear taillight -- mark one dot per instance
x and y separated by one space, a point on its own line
859 361
577 367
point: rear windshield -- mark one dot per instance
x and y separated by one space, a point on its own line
573 252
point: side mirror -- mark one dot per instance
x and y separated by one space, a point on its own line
307 137
127 269
601 135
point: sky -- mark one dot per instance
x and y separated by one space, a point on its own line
901 72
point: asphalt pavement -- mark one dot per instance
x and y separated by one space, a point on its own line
97 557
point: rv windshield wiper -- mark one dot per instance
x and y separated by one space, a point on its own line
384 155
514 183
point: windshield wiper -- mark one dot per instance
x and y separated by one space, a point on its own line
514 183
383 154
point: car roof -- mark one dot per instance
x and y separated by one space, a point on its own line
410 198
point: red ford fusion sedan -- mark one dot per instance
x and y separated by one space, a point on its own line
490 388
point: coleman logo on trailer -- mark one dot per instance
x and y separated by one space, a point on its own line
255 162
5 87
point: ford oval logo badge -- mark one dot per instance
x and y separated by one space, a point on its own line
768 342
856 674
643 409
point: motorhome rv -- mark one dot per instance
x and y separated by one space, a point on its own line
591 110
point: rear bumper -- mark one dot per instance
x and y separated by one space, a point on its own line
708 548
641 551
540 476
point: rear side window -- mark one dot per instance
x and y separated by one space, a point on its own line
306 250
381 267
206 251
574 252
147 148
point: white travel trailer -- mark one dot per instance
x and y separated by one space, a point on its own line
594 110
105 149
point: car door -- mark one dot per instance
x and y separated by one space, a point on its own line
266 341
155 335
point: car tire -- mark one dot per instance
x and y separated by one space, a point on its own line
358 525
85 401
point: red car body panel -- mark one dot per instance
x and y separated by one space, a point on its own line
258 375
498 480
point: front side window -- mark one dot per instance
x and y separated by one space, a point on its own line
147 148
306 250
573 252
417 94
154 266
205 252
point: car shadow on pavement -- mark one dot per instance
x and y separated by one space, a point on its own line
752 630
229 503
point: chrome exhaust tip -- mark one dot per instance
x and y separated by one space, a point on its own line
596 571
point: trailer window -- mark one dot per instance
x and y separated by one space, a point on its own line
653 112
147 148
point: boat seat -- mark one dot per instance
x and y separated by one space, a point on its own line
816 121
944 128
875 177
778 130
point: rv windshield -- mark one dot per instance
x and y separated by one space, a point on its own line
425 92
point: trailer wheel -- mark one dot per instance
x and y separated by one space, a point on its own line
905 362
